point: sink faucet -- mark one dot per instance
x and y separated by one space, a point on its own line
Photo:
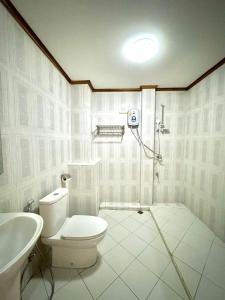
28 207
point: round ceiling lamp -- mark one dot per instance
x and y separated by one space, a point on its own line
141 48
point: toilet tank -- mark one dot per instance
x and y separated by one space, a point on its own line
54 210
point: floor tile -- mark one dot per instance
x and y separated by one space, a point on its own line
155 207
131 235
219 242
62 276
134 245
130 224
118 258
139 279
191 278
217 253
150 223
192 257
118 233
118 291
75 290
146 233
163 213
171 241
183 219
120 215
111 222
154 260
209 291
98 277
171 278
35 290
202 230
102 213
196 241
215 270
161 221
106 244
141 217
162 292
107 211
174 230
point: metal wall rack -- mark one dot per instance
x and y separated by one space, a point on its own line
108 133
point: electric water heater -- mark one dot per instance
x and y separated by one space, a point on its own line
133 117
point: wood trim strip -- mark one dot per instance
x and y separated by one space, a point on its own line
26 27
149 86
117 90
208 72
171 89
83 82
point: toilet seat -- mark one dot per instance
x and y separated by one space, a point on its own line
82 227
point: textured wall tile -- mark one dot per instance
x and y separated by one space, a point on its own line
206 151
25 145
32 115
120 163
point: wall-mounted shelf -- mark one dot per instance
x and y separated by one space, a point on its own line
108 133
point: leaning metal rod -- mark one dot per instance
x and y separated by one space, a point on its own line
172 258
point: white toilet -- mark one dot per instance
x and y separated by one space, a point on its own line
73 240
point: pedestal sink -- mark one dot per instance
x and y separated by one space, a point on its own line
18 235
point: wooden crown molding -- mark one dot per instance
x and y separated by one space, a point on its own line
88 82
118 90
166 89
207 73
26 27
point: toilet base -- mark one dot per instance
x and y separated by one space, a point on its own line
64 257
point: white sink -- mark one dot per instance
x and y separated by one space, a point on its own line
18 235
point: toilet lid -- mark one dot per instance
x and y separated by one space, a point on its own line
83 227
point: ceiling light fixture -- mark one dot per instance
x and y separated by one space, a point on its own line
141 48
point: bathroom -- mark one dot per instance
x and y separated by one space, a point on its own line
131 141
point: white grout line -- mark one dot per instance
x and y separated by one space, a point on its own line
86 286
203 270
172 259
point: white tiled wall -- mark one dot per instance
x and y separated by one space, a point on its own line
194 160
81 123
120 163
34 119
125 174
204 161
147 133
84 188
169 188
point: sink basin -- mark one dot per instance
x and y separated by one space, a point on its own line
18 235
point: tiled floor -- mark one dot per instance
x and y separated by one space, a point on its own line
134 264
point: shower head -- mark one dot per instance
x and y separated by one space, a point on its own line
160 126
165 131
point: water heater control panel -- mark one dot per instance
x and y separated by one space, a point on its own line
133 117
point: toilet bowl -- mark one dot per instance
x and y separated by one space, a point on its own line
73 240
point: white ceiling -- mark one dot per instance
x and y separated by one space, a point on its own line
86 38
